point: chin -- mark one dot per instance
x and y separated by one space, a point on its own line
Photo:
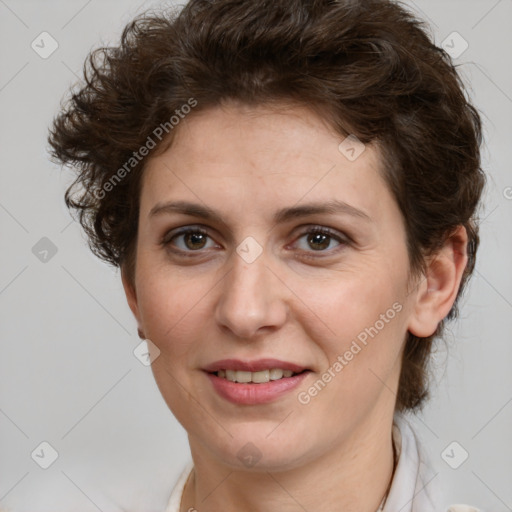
250 451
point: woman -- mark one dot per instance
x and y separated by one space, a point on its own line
289 189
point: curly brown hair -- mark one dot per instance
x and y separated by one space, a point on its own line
368 66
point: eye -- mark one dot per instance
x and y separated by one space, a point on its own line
193 239
320 239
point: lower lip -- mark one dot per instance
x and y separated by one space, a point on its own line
252 394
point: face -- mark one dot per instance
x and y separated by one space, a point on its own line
290 250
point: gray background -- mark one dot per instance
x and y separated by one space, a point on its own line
67 370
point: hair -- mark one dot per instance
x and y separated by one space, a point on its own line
367 66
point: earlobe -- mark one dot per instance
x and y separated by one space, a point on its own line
438 288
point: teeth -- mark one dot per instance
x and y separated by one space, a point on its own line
255 377
276 373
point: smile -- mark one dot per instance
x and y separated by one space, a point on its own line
249 392
255 377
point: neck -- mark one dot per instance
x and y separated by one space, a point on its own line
353 477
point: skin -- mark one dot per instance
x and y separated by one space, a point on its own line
335 452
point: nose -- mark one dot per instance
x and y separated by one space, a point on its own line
252 299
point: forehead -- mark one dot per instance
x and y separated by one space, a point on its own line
260 155
271 137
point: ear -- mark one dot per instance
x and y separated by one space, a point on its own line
438 289
131 297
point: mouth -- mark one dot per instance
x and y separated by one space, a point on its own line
255 383
256 371
259 377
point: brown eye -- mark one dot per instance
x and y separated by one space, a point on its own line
187 240
194 240
321 240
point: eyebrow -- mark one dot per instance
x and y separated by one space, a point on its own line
286 214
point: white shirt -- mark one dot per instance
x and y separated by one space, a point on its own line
414 488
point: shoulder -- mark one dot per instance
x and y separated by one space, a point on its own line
414 474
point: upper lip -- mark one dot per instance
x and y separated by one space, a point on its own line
253 366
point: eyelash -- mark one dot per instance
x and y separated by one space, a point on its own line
343 240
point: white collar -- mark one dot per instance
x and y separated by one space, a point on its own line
415 487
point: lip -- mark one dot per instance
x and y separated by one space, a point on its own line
252 393
253 366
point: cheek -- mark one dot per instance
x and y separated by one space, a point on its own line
362 338
170 309
353 300
361 320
